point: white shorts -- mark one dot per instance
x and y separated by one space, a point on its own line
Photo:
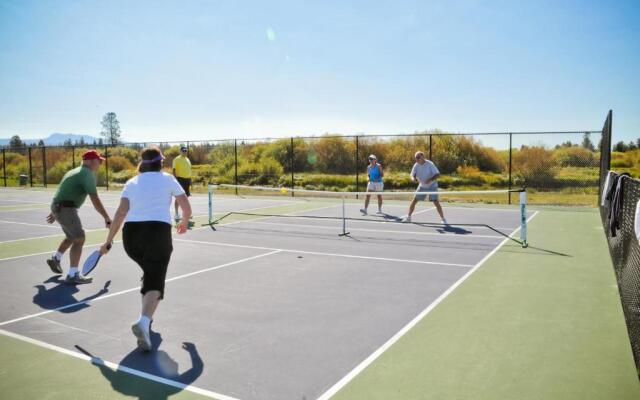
375 187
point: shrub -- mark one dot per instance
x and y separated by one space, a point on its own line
468 171
119 163
55 173
122 176
535 166
576 157
132 155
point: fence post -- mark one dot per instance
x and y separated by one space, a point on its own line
510 163
73 156
430 147
605 152
293 185
235 164
4 166
357 167
30 170
44 166
106 164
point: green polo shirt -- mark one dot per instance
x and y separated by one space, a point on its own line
76 185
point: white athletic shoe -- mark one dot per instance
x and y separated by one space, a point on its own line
363 211
407 218
444 222
379 212
142 335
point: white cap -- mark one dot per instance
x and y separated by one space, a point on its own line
373 156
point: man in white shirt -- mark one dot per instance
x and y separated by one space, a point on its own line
426 173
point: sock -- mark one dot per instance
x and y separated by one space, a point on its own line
73 271
58 255
144 321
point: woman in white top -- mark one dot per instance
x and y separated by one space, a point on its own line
145 209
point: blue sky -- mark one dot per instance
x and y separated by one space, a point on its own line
173 70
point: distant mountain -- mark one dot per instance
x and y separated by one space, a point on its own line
55 139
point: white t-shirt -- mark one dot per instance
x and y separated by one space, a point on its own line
424 172
150 195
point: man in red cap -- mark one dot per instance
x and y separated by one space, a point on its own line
71 194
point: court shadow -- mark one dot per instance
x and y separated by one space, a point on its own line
62 295
453 229
389 217
157 363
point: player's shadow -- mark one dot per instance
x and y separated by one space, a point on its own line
158 363
453 229
63 295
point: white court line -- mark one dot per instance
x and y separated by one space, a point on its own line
449 235
47 236
107 296
419 212
22 209
74 328
52 251
118 367
26 223
318 253
482 209
22 201
373 356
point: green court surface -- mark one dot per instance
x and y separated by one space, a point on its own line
538 323
528 324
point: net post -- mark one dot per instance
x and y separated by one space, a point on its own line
235 163
605 149
357 166
4 166
44 165
293 184
30 169
523 218
344 218
510 163
106 165
210 192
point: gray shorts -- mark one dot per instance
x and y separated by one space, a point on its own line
69 221
431 188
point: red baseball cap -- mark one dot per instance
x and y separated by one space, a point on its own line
92 155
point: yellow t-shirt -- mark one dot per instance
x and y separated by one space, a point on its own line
182 166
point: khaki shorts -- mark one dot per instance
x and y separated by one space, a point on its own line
69 220
375 187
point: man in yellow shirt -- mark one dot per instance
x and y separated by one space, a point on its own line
182 172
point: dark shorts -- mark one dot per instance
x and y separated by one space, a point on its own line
69 221
186 185
149 245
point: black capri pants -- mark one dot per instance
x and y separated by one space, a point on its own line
149 244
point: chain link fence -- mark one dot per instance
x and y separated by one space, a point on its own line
556 167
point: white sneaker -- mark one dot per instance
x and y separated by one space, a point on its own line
407 218
142 335
444 222
363 211
379 212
